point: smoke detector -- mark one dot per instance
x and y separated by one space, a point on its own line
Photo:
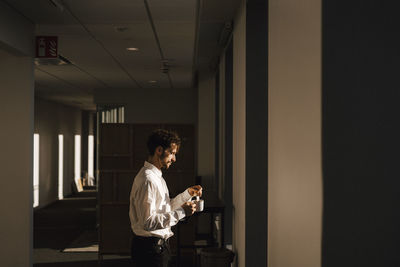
165 66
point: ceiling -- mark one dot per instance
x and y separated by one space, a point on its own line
178 36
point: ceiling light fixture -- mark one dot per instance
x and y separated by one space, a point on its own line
132 49
152 81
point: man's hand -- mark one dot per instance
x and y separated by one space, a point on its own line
195 190
189 208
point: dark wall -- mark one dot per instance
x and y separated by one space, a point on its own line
228 190
256 132
84 142
361 133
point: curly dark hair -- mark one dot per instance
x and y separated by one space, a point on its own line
163 138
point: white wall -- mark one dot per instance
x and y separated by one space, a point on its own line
239 136
16 159
16 138
295 171
16 32
52 119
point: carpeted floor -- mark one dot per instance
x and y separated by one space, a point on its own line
70 222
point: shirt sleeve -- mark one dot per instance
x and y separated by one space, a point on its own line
177 202
150 217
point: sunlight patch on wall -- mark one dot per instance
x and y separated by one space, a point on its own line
36 170
77 172
60 166
91 160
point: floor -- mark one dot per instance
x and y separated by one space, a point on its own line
70 222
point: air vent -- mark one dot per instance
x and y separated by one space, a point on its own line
165 66
121 28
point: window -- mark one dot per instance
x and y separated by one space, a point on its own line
112 115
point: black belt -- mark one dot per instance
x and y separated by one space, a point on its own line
154 240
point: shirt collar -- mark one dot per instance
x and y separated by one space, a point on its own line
153 168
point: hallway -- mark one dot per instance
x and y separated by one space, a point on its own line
294 107
67 223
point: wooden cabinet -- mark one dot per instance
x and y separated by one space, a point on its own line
122 152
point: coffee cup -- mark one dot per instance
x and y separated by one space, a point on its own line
199 204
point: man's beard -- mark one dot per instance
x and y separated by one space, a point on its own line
164 165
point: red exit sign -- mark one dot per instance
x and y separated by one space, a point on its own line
46 46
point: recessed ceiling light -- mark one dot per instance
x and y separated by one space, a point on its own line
132 49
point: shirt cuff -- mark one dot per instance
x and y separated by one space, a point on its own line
186 196
181 213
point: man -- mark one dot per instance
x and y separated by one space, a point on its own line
152 212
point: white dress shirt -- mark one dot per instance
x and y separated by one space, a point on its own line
151 211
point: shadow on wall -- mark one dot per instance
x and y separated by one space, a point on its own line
361 134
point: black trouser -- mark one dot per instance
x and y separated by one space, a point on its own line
150 252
